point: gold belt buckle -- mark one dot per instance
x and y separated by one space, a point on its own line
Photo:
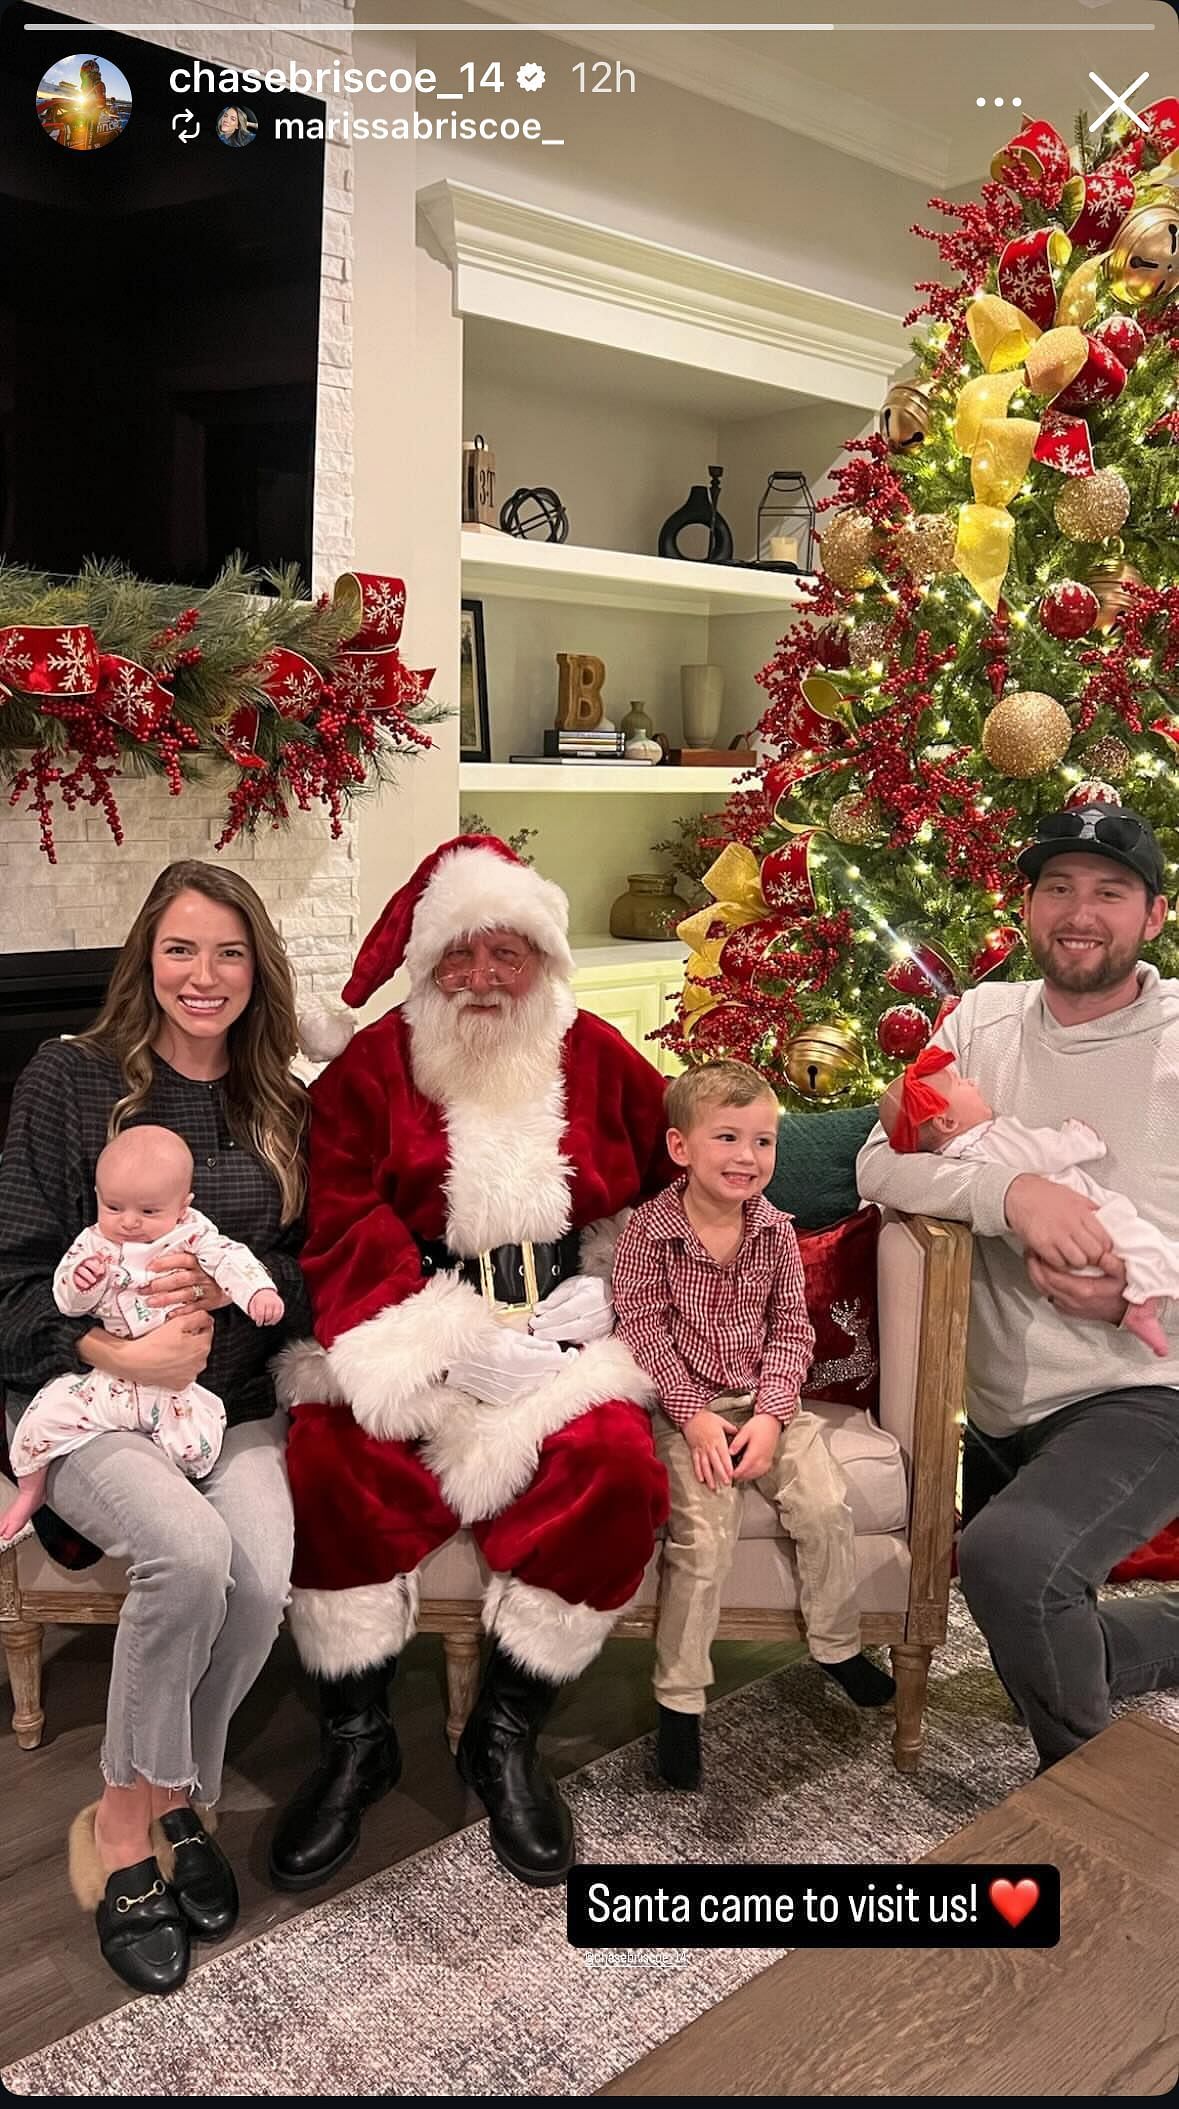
511 1314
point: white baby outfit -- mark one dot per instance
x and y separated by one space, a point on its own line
1151 1258
71 1410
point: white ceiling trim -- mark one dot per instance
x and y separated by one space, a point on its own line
721 70
523 263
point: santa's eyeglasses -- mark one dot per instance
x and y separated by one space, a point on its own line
498 973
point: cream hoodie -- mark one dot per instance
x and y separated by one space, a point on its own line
1119 1073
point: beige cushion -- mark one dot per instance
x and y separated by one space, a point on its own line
872 1464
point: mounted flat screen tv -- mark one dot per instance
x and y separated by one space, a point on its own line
159 308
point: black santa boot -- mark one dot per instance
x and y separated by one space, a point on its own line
531 1827
359 1762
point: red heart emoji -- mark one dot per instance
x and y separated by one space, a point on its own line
1014 1900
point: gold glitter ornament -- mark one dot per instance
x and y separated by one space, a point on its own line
1092 508
823 1061
925 544
866 645
1109 758
1143 259
904 417
1026 734
1109 579
848 549
856 819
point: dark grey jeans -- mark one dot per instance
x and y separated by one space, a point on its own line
1048 1512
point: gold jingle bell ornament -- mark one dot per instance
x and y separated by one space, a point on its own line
1144 259
904 417
823 1061
848 549
856 819
1026 734
1092 508
1109 579
925 544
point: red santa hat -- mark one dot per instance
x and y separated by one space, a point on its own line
474 882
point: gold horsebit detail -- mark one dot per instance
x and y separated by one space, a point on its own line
156 1890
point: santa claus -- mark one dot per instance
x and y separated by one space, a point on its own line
470 1156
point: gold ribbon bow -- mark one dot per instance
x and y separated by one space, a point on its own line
1016 354
734 881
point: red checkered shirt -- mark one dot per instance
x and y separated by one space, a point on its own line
699 1329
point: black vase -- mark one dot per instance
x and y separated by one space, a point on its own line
698 510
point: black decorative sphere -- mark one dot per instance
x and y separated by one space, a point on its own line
536 514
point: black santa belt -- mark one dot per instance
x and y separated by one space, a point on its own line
511 1278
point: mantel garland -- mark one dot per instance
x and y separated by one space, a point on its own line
107 677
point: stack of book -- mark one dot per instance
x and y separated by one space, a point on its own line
595 745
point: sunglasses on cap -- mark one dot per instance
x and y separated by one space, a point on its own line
1118 835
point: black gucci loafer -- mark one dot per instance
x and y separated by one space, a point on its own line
200 1875
142 1931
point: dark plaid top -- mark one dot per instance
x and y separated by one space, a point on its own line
56 1131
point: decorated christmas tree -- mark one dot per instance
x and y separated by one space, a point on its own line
995 632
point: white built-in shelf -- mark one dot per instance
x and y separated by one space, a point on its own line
593 776
617 578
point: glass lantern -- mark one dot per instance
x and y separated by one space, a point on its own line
786 522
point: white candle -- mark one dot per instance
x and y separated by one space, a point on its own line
784 549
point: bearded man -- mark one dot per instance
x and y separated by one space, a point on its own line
471 1154
1072 1441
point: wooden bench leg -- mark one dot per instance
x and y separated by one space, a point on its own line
462 1681
910 1667
22 1652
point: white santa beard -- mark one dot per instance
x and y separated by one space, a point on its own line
498 1077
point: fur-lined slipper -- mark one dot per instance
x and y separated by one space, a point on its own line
88 1877
163 1847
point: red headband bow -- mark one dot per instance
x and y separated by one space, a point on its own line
919 1101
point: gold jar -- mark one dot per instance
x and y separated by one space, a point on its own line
649 908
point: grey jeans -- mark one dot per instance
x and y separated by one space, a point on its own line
210 1565
1050 1510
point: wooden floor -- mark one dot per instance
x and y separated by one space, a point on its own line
1096 2016
52 1977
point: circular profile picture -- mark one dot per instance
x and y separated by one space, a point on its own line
83 102
236 126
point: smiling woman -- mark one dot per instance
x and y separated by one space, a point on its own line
196 1037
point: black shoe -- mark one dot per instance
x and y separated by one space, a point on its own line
862 1681
201 1876
531 1828
360 1760
677 1748
142 1931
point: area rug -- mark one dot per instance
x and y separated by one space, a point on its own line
443 1976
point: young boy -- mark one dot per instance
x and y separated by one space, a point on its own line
709 1295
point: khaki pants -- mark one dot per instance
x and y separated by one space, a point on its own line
808 1490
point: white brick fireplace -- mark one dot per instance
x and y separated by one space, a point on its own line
309 883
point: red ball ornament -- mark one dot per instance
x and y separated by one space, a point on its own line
1093 792
903 1031
1069 610
1124 337
924 971
999 946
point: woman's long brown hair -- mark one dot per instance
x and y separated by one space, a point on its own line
265 1106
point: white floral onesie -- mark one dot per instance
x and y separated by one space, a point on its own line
71 1410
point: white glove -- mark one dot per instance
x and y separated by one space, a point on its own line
507 1368
581 1309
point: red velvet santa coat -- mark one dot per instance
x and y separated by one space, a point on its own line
387 1163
